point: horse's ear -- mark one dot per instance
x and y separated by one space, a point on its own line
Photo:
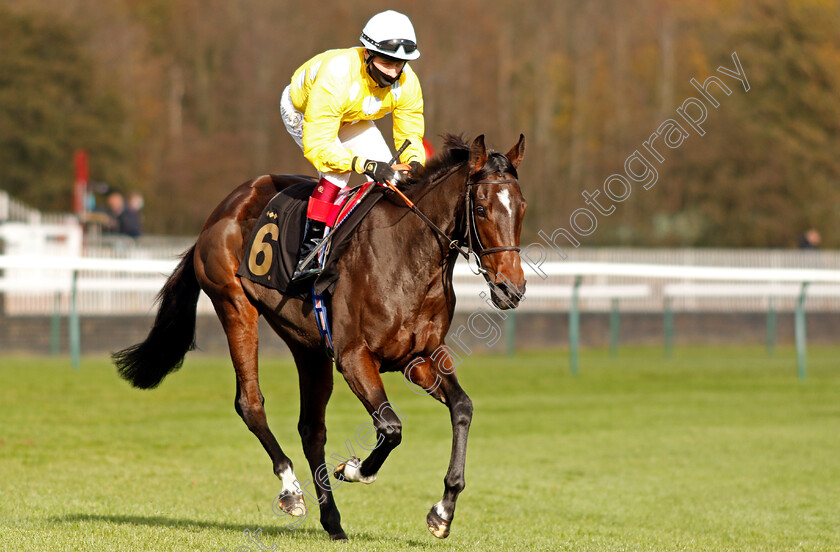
517 152
478 155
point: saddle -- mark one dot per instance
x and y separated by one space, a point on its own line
271 254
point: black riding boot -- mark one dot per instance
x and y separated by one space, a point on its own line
312 238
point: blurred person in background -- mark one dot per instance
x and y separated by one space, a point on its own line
810 239
132 221
114 207
123 219
329 109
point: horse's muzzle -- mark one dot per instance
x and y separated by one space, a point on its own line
506 296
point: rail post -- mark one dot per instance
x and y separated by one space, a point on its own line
74 333
615 328
799 330
771 327
668 327
574 327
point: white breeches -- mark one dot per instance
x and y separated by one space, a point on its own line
362 137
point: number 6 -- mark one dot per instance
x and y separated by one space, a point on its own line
260 246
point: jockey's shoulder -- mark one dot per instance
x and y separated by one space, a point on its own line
343 65
337 64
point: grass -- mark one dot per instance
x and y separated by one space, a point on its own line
714 449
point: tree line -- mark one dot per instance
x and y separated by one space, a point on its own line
178 99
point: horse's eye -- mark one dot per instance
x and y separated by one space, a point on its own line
481 211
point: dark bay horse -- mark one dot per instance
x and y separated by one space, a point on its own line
391 309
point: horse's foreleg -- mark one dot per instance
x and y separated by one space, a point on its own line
445 388
361 371
316 384
239 319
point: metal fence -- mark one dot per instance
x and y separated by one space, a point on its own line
468 287
123 277
730 258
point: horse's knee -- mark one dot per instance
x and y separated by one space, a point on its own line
390 433
388 424
462 411
251 412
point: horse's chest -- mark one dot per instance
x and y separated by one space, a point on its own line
420 331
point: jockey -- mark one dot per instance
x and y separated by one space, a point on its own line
329 109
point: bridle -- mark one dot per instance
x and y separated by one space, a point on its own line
472 227
474 249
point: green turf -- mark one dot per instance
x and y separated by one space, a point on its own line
714 449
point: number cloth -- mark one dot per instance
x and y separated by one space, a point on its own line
271 255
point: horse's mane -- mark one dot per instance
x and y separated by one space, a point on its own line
455 152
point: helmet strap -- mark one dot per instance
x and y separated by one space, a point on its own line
380 78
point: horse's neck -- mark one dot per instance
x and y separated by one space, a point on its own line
442 201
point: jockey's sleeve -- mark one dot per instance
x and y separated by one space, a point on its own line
408 120
321 123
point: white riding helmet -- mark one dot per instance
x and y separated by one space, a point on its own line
391 34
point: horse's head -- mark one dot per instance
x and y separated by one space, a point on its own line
495 208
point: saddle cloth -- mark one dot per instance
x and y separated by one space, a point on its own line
272 252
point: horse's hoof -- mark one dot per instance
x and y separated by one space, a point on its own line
292 504
351 471
438 526
339 536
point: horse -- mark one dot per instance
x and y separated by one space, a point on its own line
391 309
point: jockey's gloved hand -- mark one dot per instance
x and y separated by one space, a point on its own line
380 171
415 166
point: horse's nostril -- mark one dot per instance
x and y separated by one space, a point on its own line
505 295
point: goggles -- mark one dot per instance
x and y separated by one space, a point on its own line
392 45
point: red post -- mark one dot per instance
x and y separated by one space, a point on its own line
80 182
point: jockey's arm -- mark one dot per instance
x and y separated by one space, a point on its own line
409 123
321 123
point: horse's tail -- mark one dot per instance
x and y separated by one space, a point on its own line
173 334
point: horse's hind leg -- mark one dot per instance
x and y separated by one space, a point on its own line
316 384
445 388
239 319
